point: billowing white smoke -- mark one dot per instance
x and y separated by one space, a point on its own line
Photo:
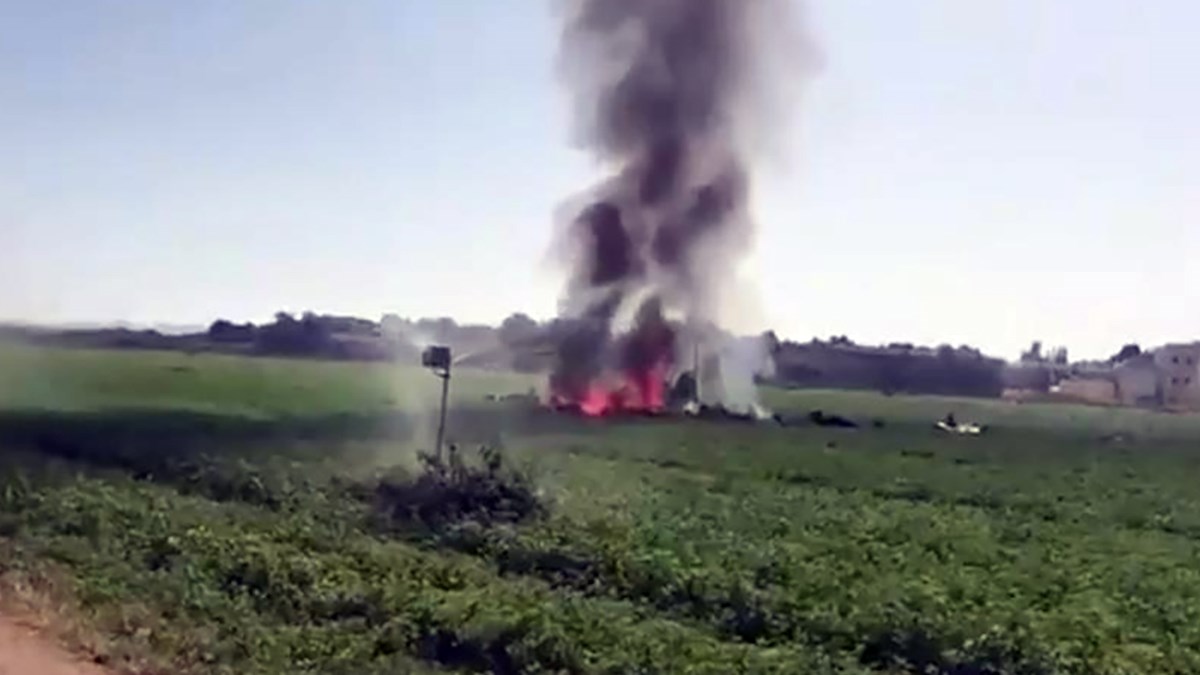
728 373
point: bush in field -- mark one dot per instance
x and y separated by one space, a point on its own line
231 479
454 490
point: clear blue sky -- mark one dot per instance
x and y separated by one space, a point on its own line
969 172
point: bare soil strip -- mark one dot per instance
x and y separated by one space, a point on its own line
24 652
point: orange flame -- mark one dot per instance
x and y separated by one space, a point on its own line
636 392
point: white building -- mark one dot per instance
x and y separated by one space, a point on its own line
1168 377
1179 368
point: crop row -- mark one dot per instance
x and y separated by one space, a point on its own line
934 586
283 592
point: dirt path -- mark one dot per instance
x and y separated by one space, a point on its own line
24 652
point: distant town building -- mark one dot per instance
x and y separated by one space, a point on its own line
1167 377
1179 372
1139 382
1098 389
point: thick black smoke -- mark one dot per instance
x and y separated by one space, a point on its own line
669 95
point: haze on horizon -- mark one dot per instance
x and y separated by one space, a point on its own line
984 173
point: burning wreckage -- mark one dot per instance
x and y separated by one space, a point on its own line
669 95
637 373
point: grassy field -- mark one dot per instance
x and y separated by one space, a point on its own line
221 515
83 380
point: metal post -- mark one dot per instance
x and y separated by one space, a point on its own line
696 368
441 432
438 359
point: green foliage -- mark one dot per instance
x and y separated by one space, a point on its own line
453 490
256 388
1063 541
292 594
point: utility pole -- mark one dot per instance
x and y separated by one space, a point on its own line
438 360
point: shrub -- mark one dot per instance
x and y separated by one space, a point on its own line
453 490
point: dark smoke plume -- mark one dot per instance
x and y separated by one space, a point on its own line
670 95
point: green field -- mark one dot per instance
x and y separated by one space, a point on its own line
208 514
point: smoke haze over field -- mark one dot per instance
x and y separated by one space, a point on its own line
670 95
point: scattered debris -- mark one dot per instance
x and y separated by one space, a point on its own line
529 397
819 418
684 392
720 412
952 426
